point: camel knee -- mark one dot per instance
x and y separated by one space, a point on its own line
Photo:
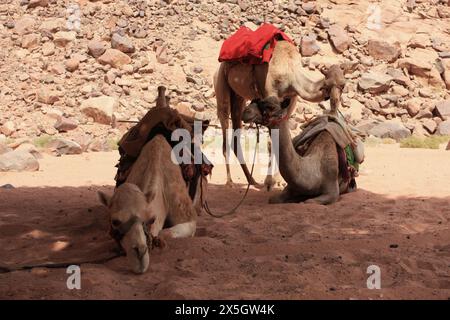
181 230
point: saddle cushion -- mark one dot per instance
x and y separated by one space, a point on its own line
253 47
162 121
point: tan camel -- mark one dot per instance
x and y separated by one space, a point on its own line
313 176
283 77
154 193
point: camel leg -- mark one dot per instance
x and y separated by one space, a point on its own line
285 196
330 195
272 178
224 124
223 98
157 225
181 230
237 106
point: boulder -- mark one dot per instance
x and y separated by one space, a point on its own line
31 41
114 58
443 109
309 46
383 50
374 82
62 38
444 128
37 3
72 64
61 146
413 106
101 109
96 48
390 129
65 124
421 63
430 125
123 44
47 96
339 38
18 160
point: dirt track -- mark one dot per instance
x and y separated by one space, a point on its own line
398 220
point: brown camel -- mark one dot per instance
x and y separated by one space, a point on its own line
283 77
154 193
313 176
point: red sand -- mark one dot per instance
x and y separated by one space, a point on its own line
398 220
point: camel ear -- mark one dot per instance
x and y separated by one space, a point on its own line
104 198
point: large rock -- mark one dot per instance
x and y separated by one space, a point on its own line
374 82
421 63
18 160
65 124
123 44
443 109
96 48
47 96
101 109
390 129
114 58
383 50
31 41
413 106
430 125
62 38
37 3
309 46
24 24
339 38
62 146
444 128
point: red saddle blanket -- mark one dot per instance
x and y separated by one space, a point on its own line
253 47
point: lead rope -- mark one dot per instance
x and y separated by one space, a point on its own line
233 210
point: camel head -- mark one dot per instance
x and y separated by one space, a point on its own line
127 207
268 112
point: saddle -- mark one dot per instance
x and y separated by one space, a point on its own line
162 120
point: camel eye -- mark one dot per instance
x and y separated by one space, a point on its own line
116 223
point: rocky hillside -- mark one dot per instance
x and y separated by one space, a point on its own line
70 69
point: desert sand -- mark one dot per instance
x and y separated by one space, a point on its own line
397 220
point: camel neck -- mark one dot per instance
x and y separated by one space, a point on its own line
289 161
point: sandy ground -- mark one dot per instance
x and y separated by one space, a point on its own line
397 220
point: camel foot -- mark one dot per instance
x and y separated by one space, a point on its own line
324 199
158 242
256 184
229 184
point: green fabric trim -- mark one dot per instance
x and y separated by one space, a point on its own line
267 46
351 157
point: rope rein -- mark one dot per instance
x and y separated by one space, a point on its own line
232 210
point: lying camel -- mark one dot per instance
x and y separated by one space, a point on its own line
283 77
154 194
315 174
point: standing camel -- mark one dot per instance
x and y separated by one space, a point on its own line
283 77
